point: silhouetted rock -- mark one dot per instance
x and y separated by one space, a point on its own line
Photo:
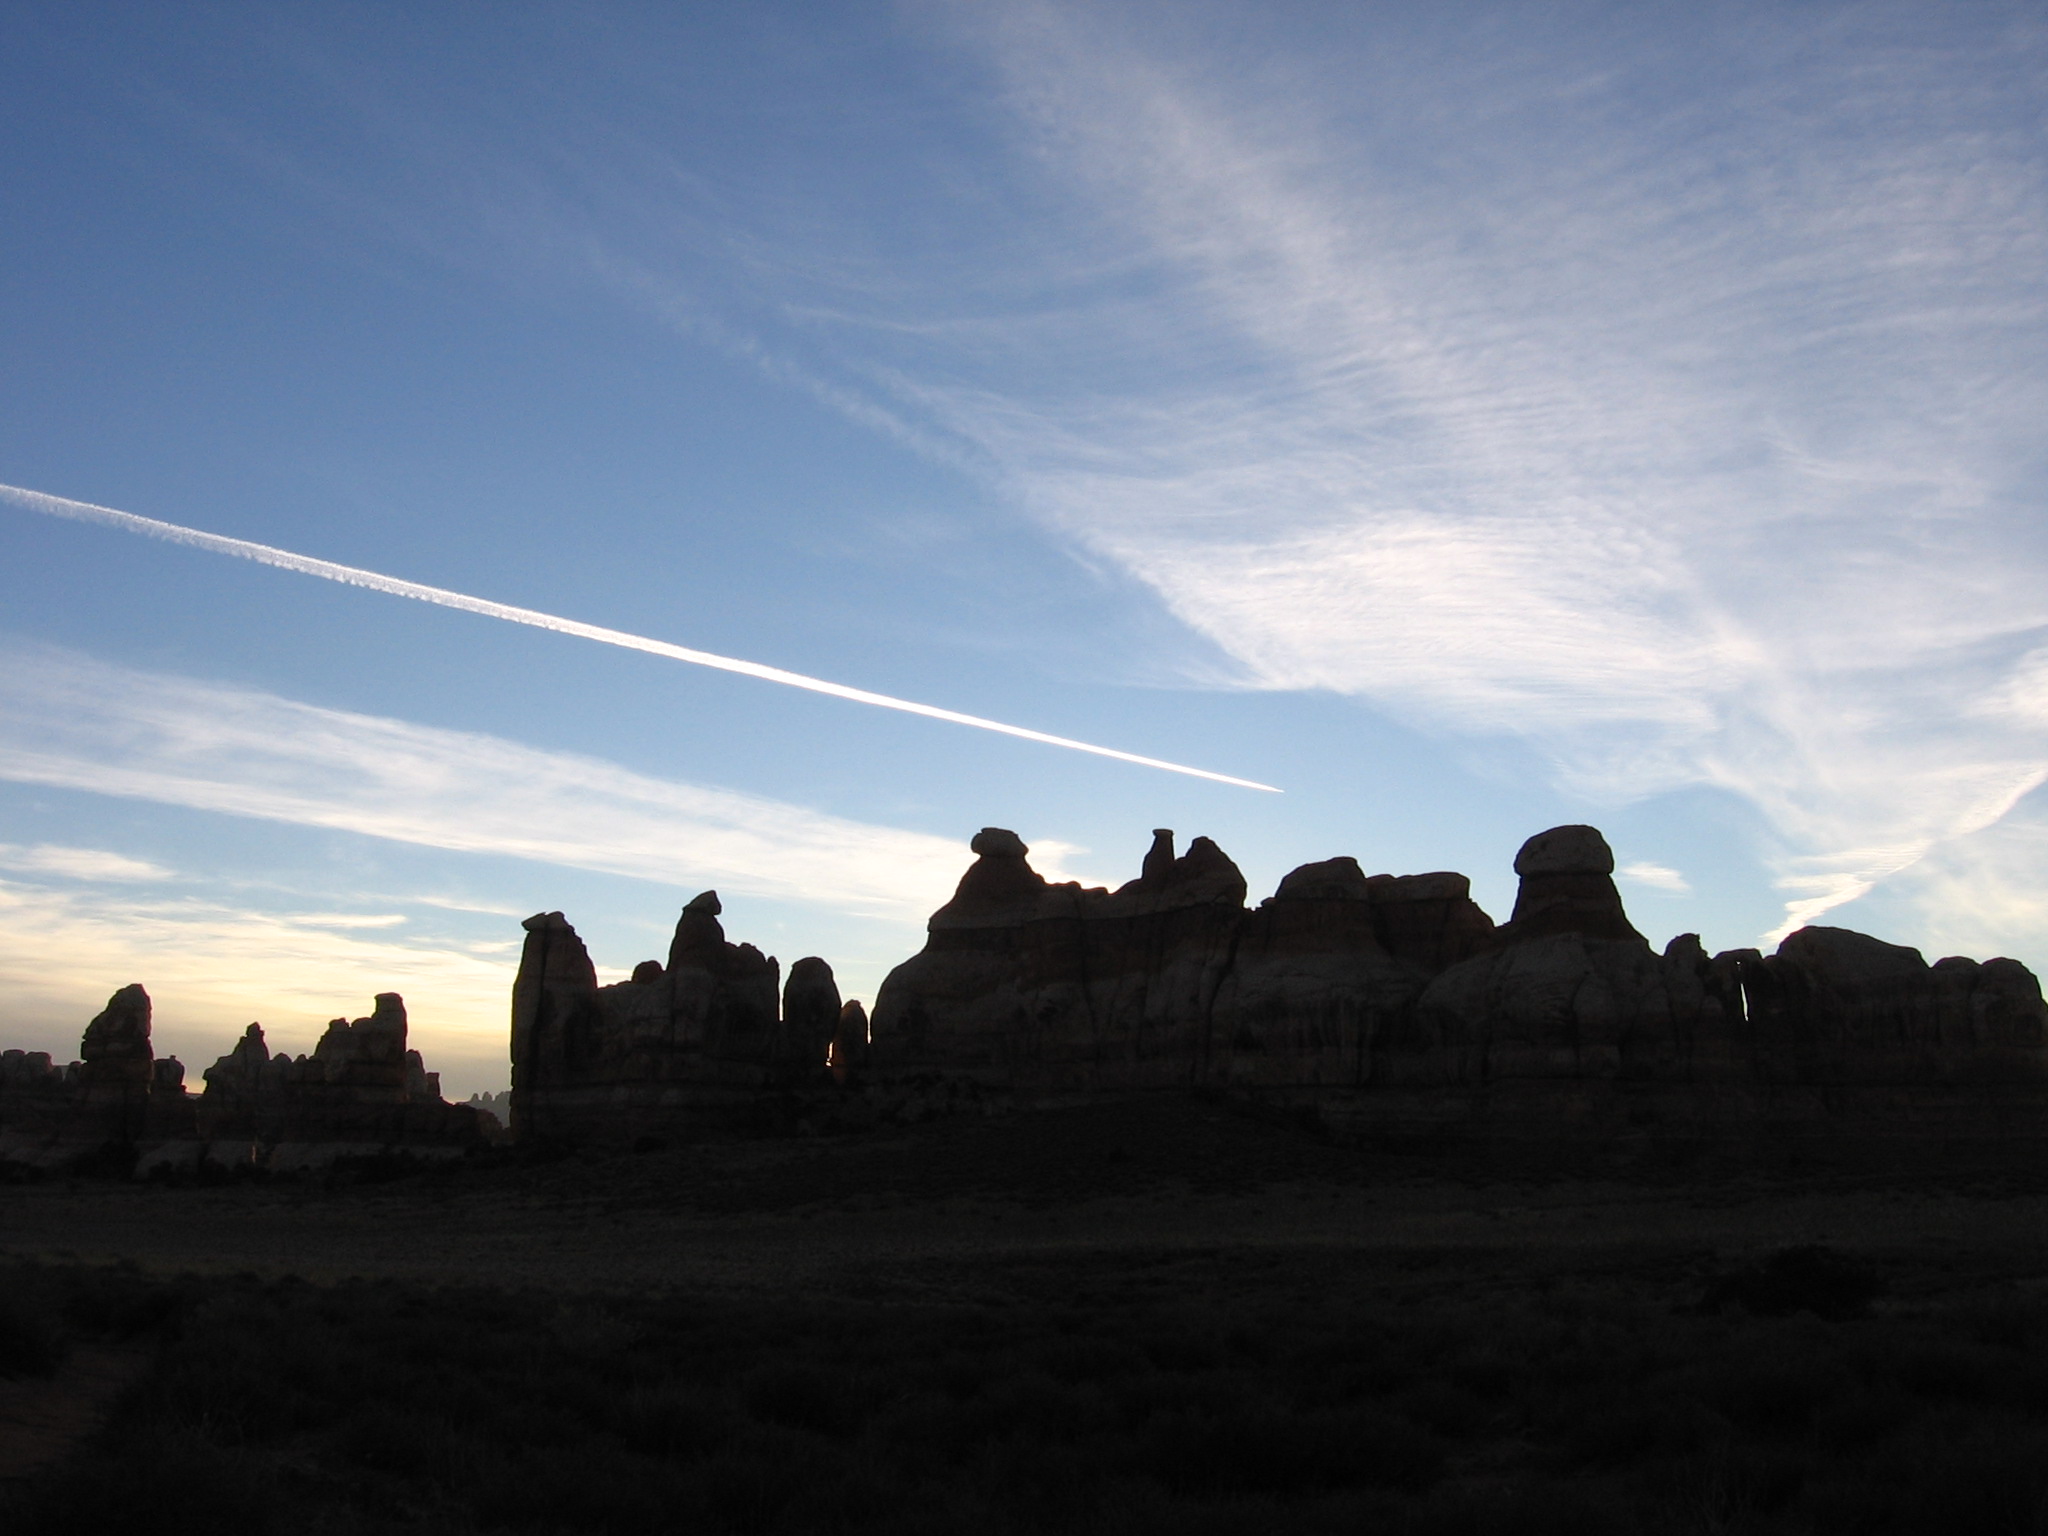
1430 920
810 1016
361 1093
103 1111
1835 1006
849 1041
1308 989
554 1011
1396 1006
1056 984
116 1044
688 1048
1165 980
1568 887
1389 1006
498 1107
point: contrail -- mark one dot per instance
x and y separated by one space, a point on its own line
284 559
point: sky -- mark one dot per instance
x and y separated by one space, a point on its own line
1464 419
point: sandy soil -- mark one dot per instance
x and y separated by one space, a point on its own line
44 1419
969 1205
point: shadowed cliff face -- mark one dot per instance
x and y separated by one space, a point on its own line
1390 1002
1169 978
698 1045
1342 981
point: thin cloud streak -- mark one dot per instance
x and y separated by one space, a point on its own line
347 575
1657 877
76 723
1694 447
93 864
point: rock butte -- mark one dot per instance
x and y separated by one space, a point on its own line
360 1094
1391 1005
1391 1008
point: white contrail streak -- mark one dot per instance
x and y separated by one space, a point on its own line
284 559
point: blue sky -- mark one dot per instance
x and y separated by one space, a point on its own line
1467 419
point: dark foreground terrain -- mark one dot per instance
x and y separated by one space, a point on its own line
1167 1317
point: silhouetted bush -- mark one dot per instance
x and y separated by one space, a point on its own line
1807 1279
30 1344
1269 1403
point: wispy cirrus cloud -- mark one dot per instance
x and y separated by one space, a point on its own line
213 966
1662 390
1532 388
1658 877
97 864
78 723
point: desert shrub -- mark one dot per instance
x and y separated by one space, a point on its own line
1578 1408
1769 1393
1963 1474
1952 1368
1259 1449
1804 1279
1862 1416
31 1341
1727 1486
1548 1509
804 1396
169 1481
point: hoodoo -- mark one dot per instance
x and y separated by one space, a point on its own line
361 1093
1389 1004
699 1046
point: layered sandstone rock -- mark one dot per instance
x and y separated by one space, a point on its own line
811 1009
1430 920
1568 989
1309 990
849 1042
1573 991
692 1047
1168 979
1393 1001
108 1108
115 1047
361 1093
1059 985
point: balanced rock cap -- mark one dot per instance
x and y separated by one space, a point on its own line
1338 879
1566 851
998 843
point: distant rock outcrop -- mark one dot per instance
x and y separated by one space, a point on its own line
361 1093
107 1108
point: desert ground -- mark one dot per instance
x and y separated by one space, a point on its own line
1171 1314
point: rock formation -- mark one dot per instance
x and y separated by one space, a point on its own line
1057 985
1396 1006
849 1052
810 1011
1389 1004
107 1108
698 1045
361 1093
